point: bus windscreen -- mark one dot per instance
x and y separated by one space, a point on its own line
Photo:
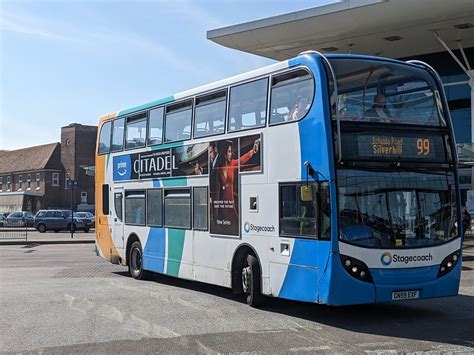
396 209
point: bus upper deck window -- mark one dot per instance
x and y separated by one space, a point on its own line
291 96
117 134
104 138
136 131
248 105
209 114
386 92
178 121
155 126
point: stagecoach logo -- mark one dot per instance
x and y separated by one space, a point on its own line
247 227
252 227
386 258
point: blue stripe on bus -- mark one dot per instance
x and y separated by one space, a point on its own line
155 249
154 253
301 279
302 282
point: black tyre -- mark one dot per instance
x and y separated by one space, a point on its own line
86 230
251 282
56 230
41 228
71 227
135 263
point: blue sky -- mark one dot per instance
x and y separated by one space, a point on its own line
73 61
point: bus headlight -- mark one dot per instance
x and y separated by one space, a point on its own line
356 268
449 263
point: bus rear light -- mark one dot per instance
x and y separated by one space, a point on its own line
449 263
356 268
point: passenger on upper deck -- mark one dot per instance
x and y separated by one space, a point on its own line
378 112
299 109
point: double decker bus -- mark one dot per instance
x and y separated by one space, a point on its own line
328 179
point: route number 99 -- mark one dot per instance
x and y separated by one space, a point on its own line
423 146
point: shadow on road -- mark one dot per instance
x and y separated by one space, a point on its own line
446 320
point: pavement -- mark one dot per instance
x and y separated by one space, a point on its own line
32 236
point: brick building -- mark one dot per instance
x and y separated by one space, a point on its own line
37 177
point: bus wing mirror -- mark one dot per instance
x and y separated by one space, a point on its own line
306 193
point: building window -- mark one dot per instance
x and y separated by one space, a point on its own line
38 181
209 114
154 207
298 210
248 105
20 182
66 181
28 182
9 183
136 131
200 208
55 179
1 183
178 121
135 207
155 126
178 208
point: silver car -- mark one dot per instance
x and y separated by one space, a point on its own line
20 219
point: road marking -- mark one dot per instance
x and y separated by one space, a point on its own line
380 343
310 348
81 305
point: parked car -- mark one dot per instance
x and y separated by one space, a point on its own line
20 219
3 218
58 220
87 216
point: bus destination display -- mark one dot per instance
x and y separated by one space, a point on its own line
393 147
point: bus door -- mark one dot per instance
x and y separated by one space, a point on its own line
117 233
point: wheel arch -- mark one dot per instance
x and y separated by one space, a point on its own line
133 237
239 254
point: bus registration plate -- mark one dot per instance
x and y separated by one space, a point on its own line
405 295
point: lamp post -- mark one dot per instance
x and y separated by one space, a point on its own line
72 184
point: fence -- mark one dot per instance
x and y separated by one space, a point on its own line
14 231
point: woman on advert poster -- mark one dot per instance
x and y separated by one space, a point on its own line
227 173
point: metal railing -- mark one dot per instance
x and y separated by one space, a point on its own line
16 230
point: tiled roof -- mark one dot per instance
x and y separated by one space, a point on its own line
32 158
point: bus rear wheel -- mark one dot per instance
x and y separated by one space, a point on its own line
135 262
251 282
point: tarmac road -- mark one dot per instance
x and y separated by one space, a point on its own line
64 299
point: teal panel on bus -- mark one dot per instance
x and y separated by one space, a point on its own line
175 236
175 182
175 250
167 146
145 106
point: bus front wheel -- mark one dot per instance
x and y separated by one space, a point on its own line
251 282
135 262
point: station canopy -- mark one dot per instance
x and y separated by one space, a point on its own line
389 28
